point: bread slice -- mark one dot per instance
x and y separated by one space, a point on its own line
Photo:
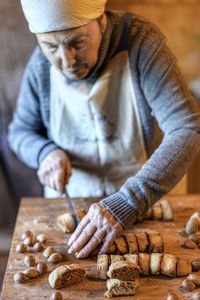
157 211
167 210
118 287
102 266
66 275
142 241
168 265
123 270
131 242
144 262
133 258
121 245
184 267
115 258
155 263
156 243
111 249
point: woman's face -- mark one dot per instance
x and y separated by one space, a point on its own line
74 51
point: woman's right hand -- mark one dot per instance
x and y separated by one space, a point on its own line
55 170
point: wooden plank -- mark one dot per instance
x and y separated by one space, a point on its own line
39 215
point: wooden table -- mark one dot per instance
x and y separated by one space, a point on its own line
39 215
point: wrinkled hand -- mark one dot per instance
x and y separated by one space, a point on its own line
55 170
97 226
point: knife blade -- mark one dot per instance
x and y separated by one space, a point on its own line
71 206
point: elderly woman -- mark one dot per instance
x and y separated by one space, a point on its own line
85 116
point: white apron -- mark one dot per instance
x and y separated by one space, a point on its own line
99 126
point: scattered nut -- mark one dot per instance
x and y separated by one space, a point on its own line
195 237
55 258
31 273
172 296
21 248
187 286
196 296
41 267
26 234
38 247
195 278
189 244
195 265
183 233
192 225
29 260
29 241
56 296
41 238
19 277
48 251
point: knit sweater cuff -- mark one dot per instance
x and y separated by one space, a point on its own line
121 209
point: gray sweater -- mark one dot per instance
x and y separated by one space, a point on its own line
162 99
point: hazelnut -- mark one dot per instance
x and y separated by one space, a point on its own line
48 251
41 267
195 265
192 225
19 277
195 278
172 296
29 241
189 244
56 296
29 260
187 286
26 234
21 248
195 237
55 258
31 273
196 296
41 238
38 247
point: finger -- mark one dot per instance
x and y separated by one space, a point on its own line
109 240
85 235
78 230
92 244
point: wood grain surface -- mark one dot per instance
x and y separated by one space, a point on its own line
39 215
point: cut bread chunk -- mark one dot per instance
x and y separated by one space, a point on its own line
167 210
115 258
123 270
157 213
118 287
142 241
144 262
168 265
121 245
156 243
66 275
155 263
133 258
184 267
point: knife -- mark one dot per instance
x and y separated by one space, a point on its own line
71 206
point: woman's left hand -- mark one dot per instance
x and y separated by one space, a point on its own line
98 226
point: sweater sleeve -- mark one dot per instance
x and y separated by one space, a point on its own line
27 134
178 116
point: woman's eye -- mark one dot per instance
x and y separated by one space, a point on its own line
52 49
80 46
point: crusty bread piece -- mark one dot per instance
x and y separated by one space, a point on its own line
168 265
66 275
111 249
167 210
66 223
133 258
155 263
148 214
121 245
123 270
156 243
131 242
142 241
115 258
118 287
144 262
157 211
102 266
184 267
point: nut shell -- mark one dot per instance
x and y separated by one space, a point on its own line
189 244
55 258
30 261
19 277
56 296
196 296
187 286
29 241
195 265
41 238
38 247
31 273
172 296
48 251
26 234
21 248
41 267
195 278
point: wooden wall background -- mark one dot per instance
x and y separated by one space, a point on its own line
179 20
